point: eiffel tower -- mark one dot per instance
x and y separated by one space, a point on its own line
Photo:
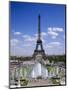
39 43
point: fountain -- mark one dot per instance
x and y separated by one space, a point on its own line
39 69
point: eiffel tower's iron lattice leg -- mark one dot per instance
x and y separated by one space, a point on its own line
37 51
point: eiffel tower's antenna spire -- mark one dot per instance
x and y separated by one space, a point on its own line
39 33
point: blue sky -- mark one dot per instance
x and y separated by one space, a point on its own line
24 28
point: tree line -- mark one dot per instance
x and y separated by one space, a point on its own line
55 58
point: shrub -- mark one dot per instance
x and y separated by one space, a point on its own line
23 82
39 77
55 81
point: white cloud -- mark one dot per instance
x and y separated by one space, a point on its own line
42 34
49 29
53 44
29 38
51 32
27 45
54 48
33 38
57 29
17 33
14 42
25 36
54 31
53 37
48 46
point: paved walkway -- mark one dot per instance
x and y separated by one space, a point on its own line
40 82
